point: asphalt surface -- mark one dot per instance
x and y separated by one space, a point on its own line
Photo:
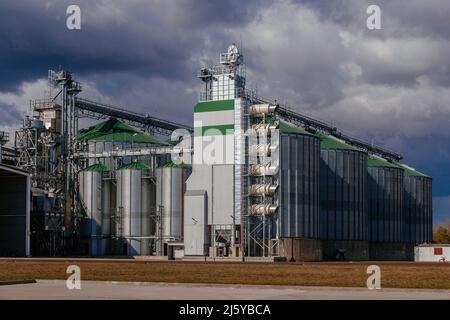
93 290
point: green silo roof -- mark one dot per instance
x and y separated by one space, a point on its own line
175 165
330 142
115 130
373 161
97 167
135 166
285 127
170 142
411 172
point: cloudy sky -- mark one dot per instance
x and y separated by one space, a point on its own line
389 86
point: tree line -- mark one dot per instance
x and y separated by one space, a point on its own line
441 233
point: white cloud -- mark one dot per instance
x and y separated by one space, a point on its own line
294 54
369 85
14 105
20 100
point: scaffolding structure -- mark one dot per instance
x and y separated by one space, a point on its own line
46 146
43 147
263 197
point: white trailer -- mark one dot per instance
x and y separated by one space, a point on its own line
432 253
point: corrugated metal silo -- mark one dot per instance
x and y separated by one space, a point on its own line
133 208
299 191
170 187
386 218
108 206
343 200
418 207
95 199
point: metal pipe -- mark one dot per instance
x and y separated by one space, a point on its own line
264 128
263 209
263 170
259 110
263 189
264 149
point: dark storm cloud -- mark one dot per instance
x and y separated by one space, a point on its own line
389 86
429 154
441 210
142 37
399 17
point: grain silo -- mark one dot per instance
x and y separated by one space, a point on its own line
170 187
417 207
97 201
386 218
135 200
299 193
343 200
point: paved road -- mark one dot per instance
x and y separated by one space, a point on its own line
56 289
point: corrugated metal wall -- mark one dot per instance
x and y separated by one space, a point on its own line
299 186
418 209
170 188
13 214
385 190
343 195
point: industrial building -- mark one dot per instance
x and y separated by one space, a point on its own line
251 179
15 192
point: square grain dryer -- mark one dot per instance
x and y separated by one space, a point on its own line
15 190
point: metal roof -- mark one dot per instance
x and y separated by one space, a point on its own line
285 127
98 167
135 166
115 130
330 142
374 161
411 172
176 165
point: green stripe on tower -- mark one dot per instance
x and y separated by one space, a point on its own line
214 106
214 130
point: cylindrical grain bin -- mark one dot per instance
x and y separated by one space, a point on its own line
298 217
343 200
135 197
95 194
108 206
170 187
418 207
386 217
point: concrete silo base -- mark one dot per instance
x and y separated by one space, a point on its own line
345 250
301 249
391 251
